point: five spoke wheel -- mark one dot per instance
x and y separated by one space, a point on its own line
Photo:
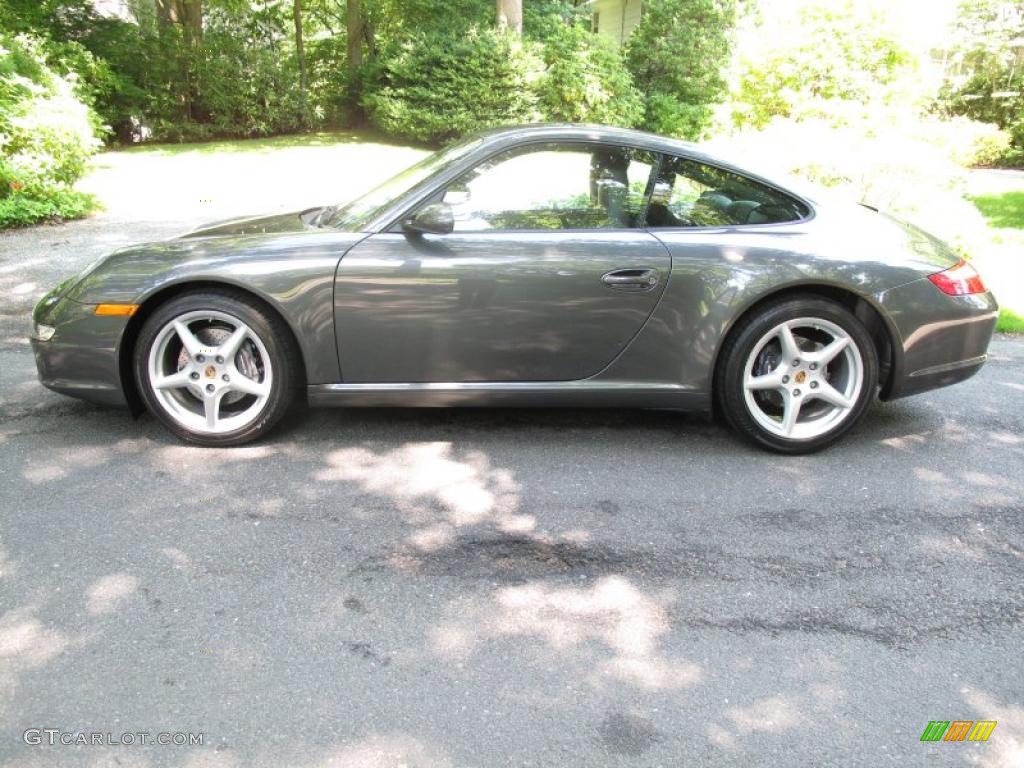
803 377
210 371
797 374
218 367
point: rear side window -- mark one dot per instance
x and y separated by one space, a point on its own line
688 193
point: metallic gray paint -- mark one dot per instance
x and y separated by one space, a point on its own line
522 318
493 306
293 272
81 359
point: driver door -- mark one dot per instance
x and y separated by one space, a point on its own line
545 276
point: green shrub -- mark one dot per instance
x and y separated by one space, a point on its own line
58 205
967 142
670 117
987 81
586 80
822 58
547 19
677 55
106 57
245 87
46 136
239 80
329 90
437 87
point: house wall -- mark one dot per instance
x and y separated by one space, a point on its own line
616 18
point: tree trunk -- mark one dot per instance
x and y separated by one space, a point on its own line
192 17
300 54
354 33
510 15
166 12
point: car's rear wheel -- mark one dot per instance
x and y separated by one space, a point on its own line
797 375
216 368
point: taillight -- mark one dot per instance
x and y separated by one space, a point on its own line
959 280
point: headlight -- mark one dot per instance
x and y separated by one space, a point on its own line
44 332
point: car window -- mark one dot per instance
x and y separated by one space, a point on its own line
688 193
553 186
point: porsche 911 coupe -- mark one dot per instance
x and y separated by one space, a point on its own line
553 265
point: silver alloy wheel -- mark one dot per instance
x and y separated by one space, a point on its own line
803 378
210 372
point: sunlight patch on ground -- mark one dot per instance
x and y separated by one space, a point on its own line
1005 748
433 488
386 751
109 592
25 644
613 613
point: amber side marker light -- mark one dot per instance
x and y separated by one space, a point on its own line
116 310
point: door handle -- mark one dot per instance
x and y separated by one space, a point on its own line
632 280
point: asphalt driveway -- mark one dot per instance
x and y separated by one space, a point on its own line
494 587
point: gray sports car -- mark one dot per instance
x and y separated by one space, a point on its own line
553 265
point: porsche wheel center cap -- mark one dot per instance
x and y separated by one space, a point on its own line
800 378
210 372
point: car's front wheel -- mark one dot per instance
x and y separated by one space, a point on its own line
798 374
216 368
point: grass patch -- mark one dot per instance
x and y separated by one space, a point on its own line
1004 252
267 144
1009 321
1005 211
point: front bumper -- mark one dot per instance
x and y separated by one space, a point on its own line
941 340
81 358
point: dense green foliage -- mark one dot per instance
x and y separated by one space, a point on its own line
46 137
429 69
443 86
243 80
677 55
586 81
829 56
439 85
986 82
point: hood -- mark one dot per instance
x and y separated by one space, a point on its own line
130 274
296 221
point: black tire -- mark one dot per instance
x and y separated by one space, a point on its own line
741 344
275 337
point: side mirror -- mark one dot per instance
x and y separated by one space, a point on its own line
433 219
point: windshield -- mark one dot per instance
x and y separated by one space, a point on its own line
355 215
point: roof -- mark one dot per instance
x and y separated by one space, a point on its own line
587 131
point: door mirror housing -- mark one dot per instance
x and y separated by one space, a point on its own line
433 219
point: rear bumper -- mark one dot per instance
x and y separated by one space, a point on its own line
941 340
81 359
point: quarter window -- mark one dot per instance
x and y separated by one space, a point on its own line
688 193
553 186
